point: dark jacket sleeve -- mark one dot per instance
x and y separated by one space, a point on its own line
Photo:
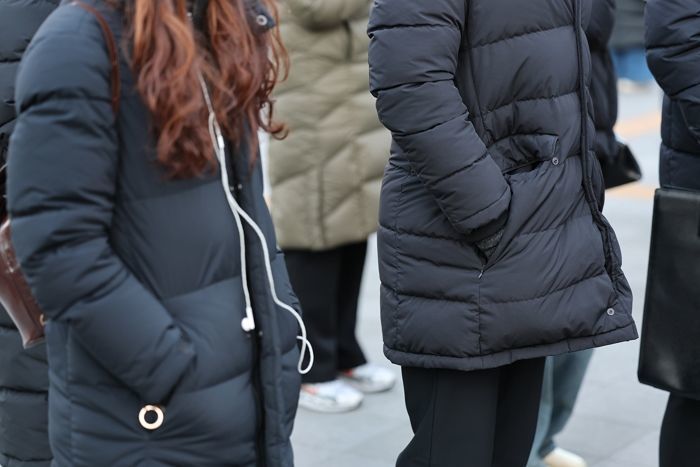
62 189
413 58
673 53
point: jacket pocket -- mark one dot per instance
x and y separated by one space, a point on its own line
519 154
525 181
211 426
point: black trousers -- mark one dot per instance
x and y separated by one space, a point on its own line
484 418
680 433
328 286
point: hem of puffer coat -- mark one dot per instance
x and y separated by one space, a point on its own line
6 461
506 357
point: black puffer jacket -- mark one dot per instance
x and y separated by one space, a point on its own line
140 276
490 112
603 79
23 374
673 53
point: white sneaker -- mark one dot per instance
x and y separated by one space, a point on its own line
370 378
331 397
563 458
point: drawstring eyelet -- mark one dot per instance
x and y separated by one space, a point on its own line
151 409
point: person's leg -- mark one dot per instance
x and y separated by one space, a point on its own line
569 371
680 433
519 393
352 266
314 278
544 419
453 416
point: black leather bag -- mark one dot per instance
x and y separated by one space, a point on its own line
622 169
670 345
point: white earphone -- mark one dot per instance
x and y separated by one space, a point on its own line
239 214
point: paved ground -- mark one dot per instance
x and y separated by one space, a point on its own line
616 423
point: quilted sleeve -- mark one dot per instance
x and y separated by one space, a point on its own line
413 59
62 173
673 53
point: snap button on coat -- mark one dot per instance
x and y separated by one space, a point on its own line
262 20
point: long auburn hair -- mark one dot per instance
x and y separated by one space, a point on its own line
240 62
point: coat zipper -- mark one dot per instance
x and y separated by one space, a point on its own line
226 167
260 414
256 377
587 183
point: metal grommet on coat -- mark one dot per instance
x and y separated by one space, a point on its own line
555 161
160 417
611 311
262 20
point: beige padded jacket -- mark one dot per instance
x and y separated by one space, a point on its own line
326 175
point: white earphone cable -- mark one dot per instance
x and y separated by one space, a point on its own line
248 323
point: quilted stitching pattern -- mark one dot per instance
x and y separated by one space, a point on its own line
325 176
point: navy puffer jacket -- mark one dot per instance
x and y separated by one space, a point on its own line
140 275
24 377
489 105
673 53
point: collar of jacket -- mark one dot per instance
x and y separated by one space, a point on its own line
258 13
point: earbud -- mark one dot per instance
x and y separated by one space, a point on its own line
247 324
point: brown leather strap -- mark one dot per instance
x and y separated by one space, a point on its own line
111 49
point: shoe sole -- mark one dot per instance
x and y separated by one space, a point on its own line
319 408
367 389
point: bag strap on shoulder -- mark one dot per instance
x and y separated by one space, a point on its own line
112 49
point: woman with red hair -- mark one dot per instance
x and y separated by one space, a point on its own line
136 202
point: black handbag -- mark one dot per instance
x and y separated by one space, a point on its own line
622 169
670 346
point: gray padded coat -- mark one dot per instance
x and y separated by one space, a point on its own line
140 276
489 105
